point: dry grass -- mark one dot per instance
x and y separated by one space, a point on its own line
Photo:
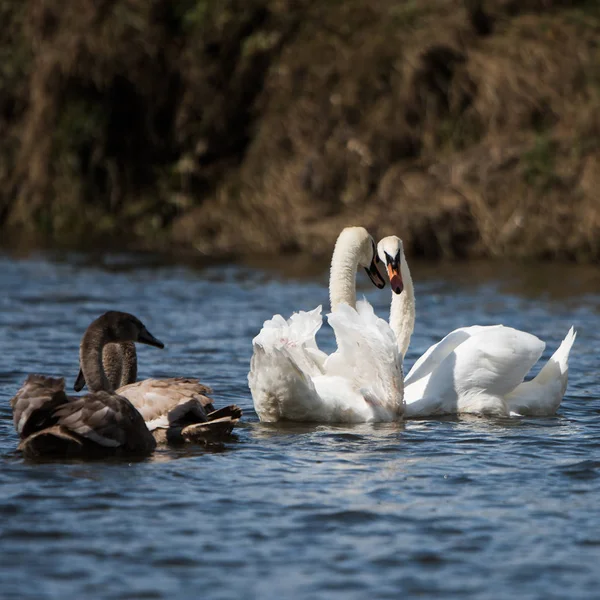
470 128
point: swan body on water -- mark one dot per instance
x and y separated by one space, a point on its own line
291 379
477 369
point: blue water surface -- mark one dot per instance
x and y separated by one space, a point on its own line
446 508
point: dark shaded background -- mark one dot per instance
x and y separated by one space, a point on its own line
264 126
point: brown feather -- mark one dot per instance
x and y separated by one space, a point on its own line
202 433
51 423
34 403
48 421
51 441
183 400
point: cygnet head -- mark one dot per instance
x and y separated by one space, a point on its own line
364 246
391 253
123 327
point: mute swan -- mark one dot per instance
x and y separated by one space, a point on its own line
50 423
478 369
175 409
292 380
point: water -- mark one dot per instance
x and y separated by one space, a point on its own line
446 508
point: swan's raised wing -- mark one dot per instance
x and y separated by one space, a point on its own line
281 389
303 328
285 359
435 354
481 370
297 337
497 359
367 356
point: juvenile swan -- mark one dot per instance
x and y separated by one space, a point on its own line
292 380
50 423
477 369
176 409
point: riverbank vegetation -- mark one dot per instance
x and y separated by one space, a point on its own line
470 128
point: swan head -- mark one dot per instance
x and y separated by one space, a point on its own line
368 257
123 327
358 243
391 253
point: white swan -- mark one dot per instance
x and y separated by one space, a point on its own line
477 370
292 380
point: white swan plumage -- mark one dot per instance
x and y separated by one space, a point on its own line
472 370
292 380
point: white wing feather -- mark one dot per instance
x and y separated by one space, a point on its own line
291 379
367 355
436 353
480 374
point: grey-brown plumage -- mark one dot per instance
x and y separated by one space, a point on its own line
34 404
50 423
111 328
179 406
120 365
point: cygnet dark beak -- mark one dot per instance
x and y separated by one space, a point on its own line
79 382
145 337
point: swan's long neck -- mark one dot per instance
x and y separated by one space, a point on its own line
342 277
90 358
120 363
129 365
402 311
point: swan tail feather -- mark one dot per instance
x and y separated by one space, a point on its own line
543 394
558 363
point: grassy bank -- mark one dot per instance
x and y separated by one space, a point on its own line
259 126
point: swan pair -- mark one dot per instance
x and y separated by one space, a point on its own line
118 416
476 370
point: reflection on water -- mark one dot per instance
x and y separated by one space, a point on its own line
455 507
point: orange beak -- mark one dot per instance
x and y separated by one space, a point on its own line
395 279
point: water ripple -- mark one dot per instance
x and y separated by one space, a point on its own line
435 508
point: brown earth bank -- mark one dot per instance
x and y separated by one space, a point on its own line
470 128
